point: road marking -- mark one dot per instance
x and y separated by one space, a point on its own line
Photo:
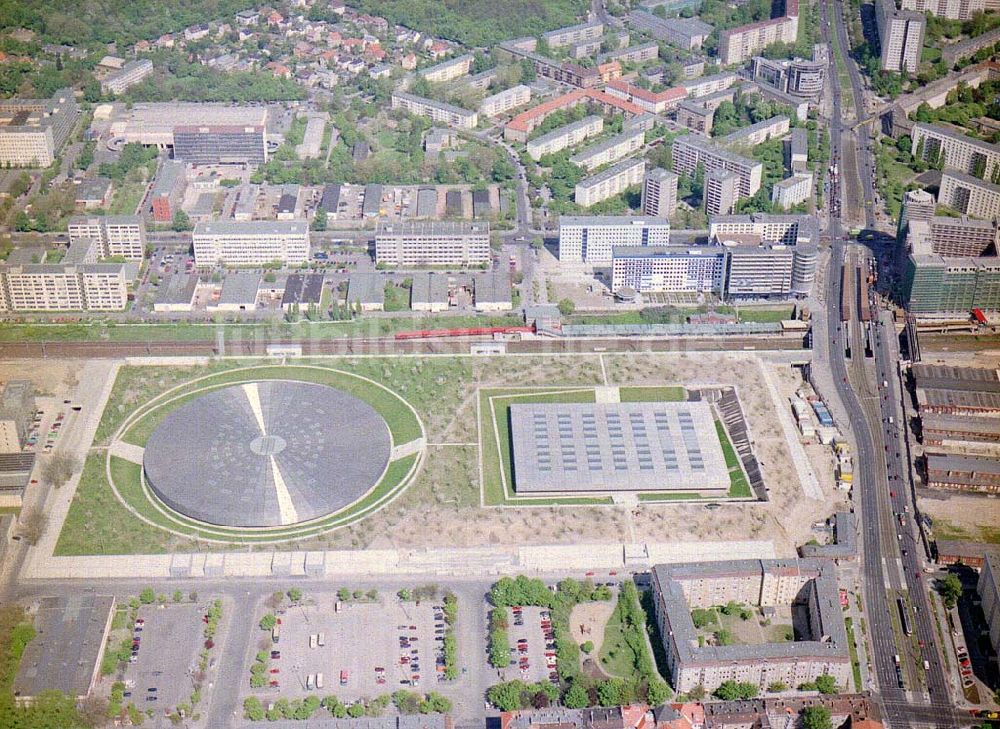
253 396
285 506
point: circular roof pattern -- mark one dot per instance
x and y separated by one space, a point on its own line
266 454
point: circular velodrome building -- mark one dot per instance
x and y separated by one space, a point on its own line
267 454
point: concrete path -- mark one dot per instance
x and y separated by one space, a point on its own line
128 451
407 449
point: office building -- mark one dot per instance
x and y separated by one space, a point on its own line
590 238
659 193
945 147
447 70
153 124
574 34
568 135
33 131
17 411
168 190
220 144
639 53
755 134
797 77
251 243
792 191
809 584
988 588
722 189
503 101
917 205
738 45
610 182
936 285
901 36
953 237
117 236
129 75
671 269
447 243
653 102
951 9
687 33
768 256
691 150
437 111
969 195
610 150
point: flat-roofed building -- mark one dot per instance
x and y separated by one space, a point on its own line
447 70
437 111
977 474
15 474
792 191
638 53
251 243
118 236
168 190
154 123
591 238
795 150
687 33
969 195
585 448
988 588
951 9
901 36
738 45
568 135
614 180
33 131
176 294
17 411
917 205
962 237
696 117
706 85
798 77
936 284
92 192
62 287
239 292
949 148
503 101
659 193
429 292
366 291
672 269
445 243
722 190
808 584
221 144
129 75
65 654
491 291
940 429
610 150
691 150
574 34
755 134
303 291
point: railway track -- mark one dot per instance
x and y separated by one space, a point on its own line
387 345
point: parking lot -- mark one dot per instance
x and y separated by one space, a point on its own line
169 639
533 648
50 418
400 646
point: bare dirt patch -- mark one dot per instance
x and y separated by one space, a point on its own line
587 621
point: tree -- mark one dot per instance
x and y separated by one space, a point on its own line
319 222
950 589
32 525
731 691
816 717
776 687
252 709
827 684
537 243
181 222
657 692
268 621
343 594
58 469
576 697
506 696
613 692
178 595
295 594
147 596
587 646
566 307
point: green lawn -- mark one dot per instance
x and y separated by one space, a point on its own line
397 298
652 394
739 486
766 316
625 648
855 663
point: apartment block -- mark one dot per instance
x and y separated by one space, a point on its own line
568 135
251 243
722 190
901 36
659 193
574 34
706 85
655 103
691 150
117 236
66 286
639 53
33 131
969 195
792 191
610 150
959 237
168 190
432 244
447 70
504 101
755 134
435 110
608 183
696 117
670 269
951 9
687 33
945 147
129 75
988 588
738 45
220 144
591 238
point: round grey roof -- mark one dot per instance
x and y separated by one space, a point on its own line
266 454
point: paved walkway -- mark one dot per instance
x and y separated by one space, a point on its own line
407 449
807 477
128 451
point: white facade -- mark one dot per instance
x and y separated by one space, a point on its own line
792 191
970 195
668 269
568 135
432 244
659 193
504 101
610 150
119 236
90 287
253 243
612 181
435 110
590 239
901 36
952 9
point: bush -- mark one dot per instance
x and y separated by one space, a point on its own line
147 596
295 594
777 687
268 622
252 709
587 647
577 697
827 684
732 691
701 617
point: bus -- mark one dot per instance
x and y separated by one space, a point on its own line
902 616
